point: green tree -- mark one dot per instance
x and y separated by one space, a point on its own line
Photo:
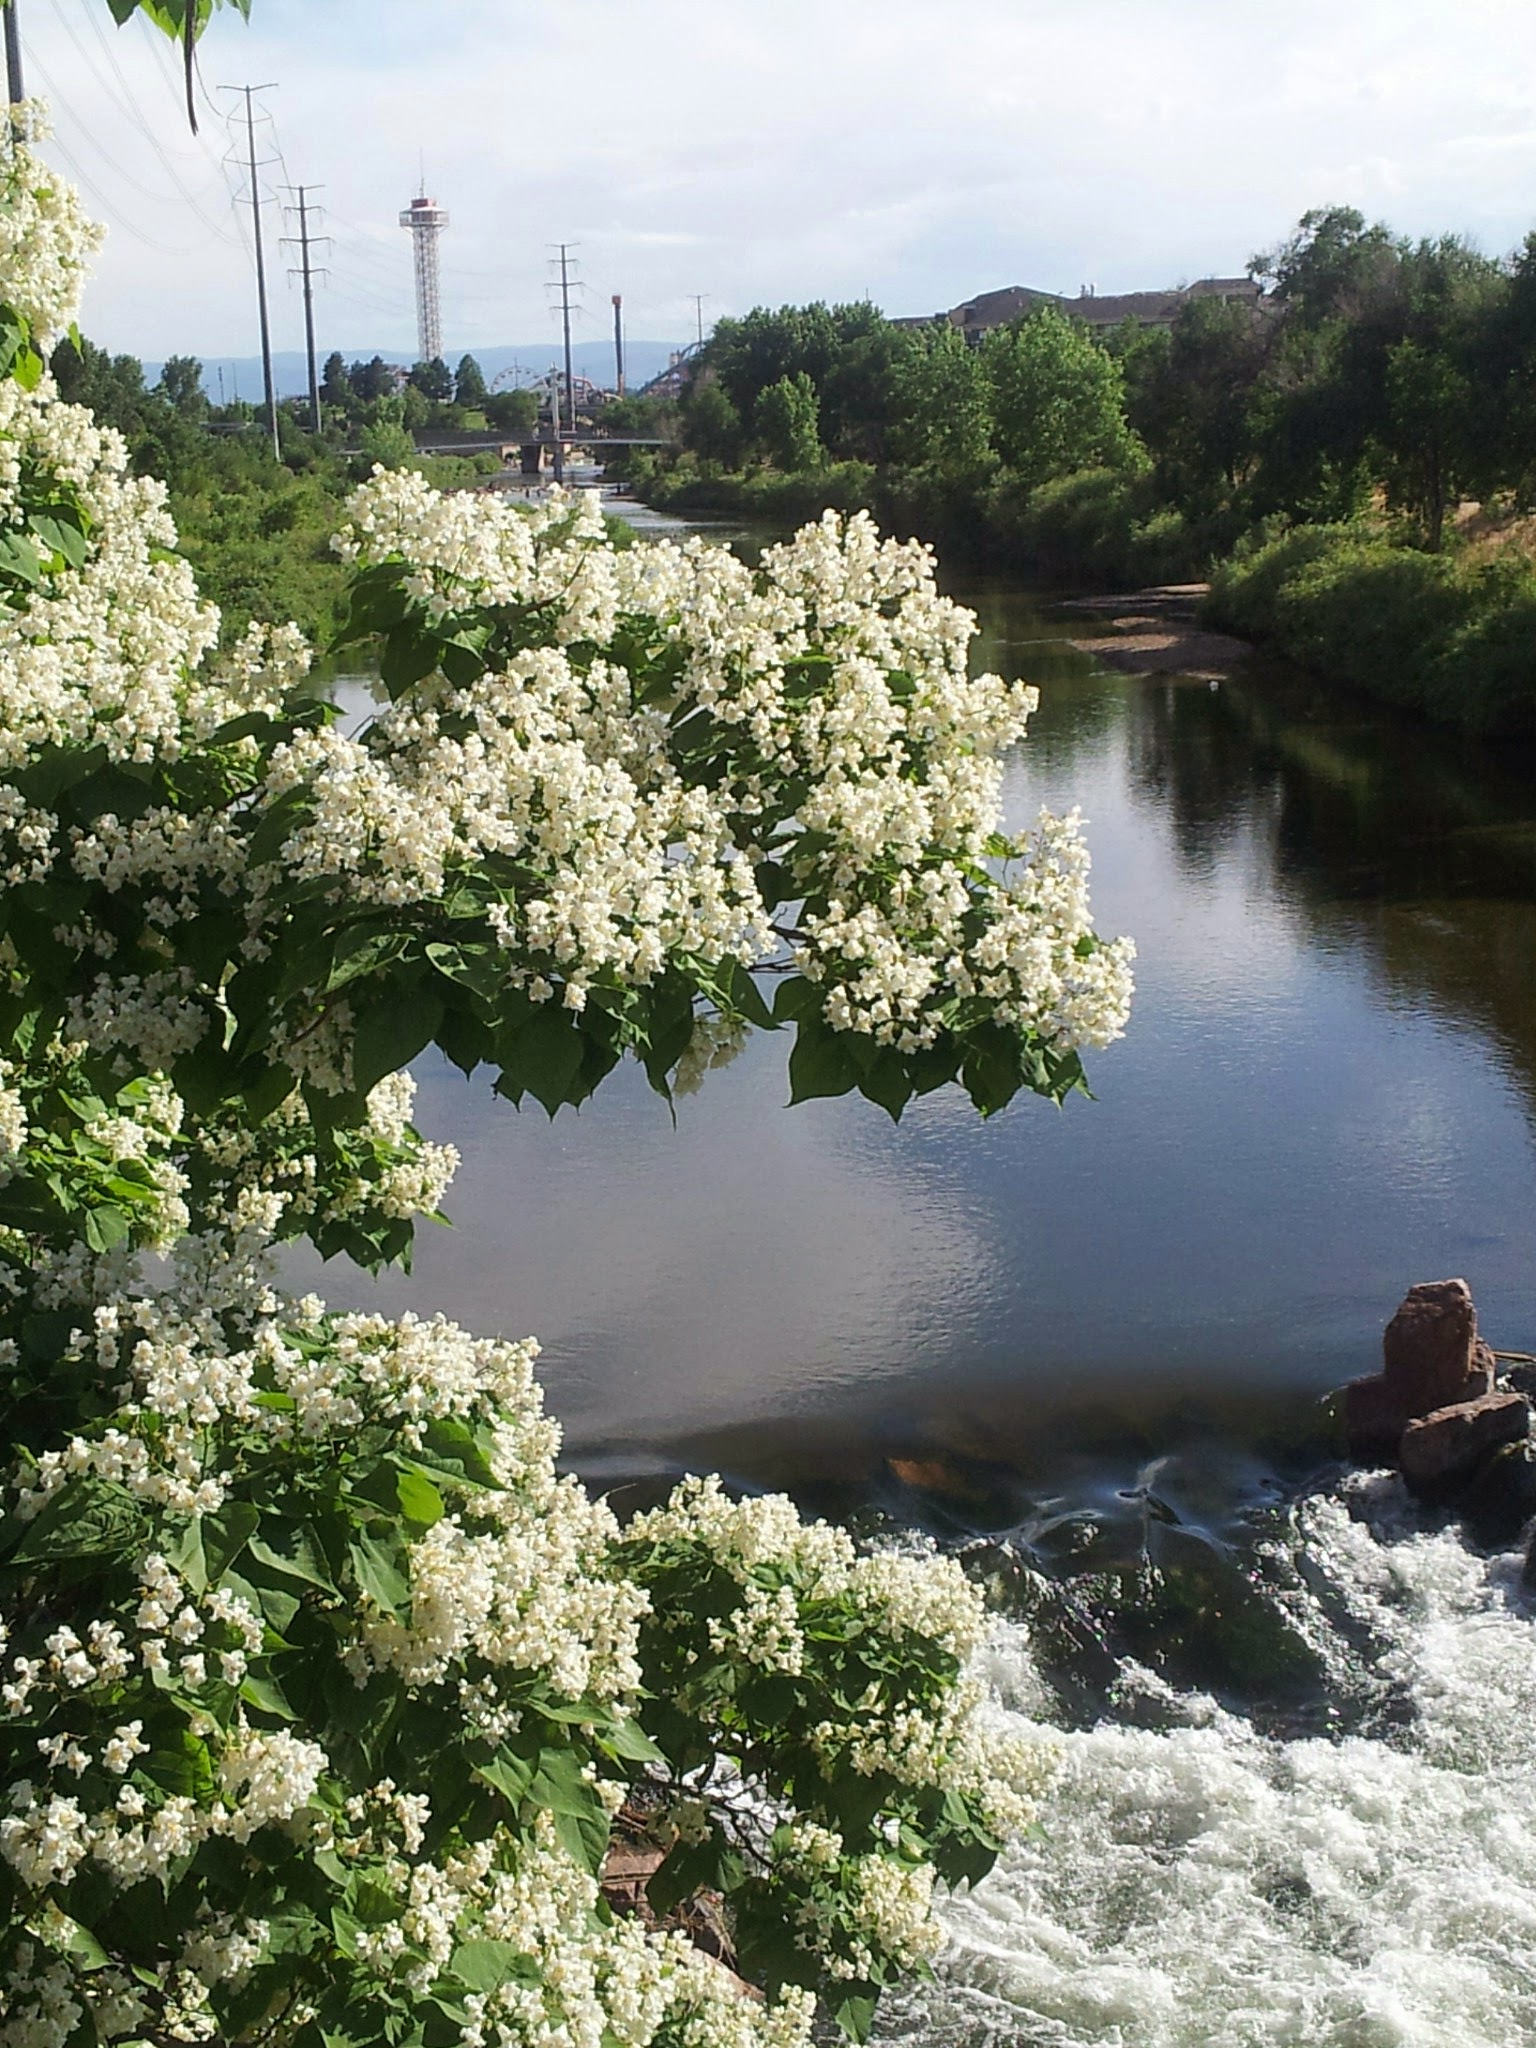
711 424
324 1688
1058 400
335 384
787 421
1331 268
943 404
1190 396
433 380
373 379
513 413
181 386
469 386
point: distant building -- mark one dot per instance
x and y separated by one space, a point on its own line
977 317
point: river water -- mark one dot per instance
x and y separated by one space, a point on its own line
1296 1801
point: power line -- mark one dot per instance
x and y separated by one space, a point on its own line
115 83
261 268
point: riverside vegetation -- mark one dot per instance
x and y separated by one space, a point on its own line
258 529
1355 459
322 1694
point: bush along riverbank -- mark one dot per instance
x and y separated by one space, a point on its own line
1441 634
1350 454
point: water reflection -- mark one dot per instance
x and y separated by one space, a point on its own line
1325 1095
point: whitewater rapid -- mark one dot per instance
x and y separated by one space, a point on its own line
1204 1884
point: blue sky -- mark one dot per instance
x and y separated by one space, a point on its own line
916 150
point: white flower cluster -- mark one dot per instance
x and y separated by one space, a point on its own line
784 1565
926 1595
46 241
13 1126
835 670
591 1978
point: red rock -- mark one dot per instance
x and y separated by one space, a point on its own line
1374 1421
1432 1357
1441 1451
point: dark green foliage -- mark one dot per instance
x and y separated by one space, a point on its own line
1417 629
433 380
787 418
512 412
1058 400
469 386
1104 527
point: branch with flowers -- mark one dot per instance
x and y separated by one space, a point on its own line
321 1690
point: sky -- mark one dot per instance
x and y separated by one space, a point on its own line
762 151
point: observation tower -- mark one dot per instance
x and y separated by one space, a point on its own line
426 221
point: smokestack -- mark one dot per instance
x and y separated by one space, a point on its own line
618 339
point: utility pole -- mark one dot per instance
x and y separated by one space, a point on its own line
698 307
570 377
261 268
618 341
15 90
303 210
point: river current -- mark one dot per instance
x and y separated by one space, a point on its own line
1295 1721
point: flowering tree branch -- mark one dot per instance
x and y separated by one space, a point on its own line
320 1688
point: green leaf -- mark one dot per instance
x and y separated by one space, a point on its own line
86 1518
855 2013
581 1819
485 1965
397 1024
294 1553
547 1054
78 1943
410 654
992 1069
822 1061
226 1534
266 1695
625 1738
380 1570
795 998
420 1501
508 1774
105 1226
888 1083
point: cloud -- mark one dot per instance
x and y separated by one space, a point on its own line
817 148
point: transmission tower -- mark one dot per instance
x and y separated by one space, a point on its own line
426 221
261 267
306 271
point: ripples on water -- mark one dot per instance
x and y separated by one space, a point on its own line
1205 1882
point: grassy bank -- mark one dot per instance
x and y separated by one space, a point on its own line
1443 634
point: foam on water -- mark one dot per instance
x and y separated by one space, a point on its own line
1205 1885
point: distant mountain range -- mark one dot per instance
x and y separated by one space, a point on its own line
242 374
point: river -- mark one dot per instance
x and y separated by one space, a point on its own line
1297 1726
